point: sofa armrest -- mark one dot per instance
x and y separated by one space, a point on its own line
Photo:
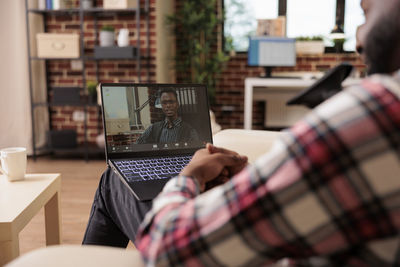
252 143
76 255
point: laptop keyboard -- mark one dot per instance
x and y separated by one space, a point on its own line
152 168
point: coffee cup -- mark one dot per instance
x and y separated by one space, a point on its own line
13 163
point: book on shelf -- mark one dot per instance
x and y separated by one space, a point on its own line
56 4
49 4
41 4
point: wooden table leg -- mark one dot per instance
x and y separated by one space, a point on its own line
53 220
9 250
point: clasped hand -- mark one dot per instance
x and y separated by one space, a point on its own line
212 166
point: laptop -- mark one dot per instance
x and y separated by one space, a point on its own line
163 125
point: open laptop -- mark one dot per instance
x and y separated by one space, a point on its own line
148 150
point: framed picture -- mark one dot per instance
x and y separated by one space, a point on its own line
271 27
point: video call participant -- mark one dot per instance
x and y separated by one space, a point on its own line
172 129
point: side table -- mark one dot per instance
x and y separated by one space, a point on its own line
20 201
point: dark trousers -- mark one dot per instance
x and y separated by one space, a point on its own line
116 214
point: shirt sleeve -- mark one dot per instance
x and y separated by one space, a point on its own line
318 192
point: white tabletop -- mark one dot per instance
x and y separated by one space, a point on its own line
280 82
16 196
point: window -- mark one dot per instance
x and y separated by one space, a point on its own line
241 19
310 17
353 17
303 18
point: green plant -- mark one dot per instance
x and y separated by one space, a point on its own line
338 44
91 87
310 38
195 26
339 41
107 28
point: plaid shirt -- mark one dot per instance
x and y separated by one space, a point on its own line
328 193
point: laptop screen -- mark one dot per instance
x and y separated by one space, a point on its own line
155 117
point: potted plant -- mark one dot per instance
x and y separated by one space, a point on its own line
338 44
107 36
91 87
310 45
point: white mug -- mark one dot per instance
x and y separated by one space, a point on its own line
13 163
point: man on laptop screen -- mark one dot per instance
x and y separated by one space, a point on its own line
172 128
143 118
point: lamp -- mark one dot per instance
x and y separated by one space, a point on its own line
157 103
337 33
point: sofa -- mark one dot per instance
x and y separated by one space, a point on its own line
251 143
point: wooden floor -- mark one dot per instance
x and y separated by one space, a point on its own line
79 180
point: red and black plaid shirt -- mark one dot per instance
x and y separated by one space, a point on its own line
328 192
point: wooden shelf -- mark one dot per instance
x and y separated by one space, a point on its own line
86 10
54 11
81 101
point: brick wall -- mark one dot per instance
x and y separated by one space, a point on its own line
61 74
229 107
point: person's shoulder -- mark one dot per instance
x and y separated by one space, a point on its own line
352 99
383 82
158 123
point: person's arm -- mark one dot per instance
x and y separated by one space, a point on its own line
315 193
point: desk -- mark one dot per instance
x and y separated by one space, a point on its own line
20 201
277 91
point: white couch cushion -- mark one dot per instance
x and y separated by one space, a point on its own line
252 143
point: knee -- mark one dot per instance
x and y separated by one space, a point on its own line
104 184
108 178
